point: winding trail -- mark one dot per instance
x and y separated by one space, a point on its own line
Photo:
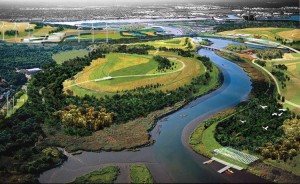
277 85
129 76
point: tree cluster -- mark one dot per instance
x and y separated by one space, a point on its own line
261 63
185 53
11 32
56 30
163 63
286 147
269 53
85 117
206 62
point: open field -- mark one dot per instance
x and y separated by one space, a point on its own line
292 90
268 33
116 65
22 26
105 175
172 43
102 35
140 174
67 55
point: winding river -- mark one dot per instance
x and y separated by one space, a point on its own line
170 159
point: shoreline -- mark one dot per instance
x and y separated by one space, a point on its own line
150 119
254 168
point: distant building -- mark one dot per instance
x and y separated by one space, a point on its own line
250 17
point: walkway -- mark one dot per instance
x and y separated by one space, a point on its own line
277 85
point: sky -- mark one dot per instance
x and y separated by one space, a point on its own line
21 3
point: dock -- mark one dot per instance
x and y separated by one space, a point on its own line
229 165
224 169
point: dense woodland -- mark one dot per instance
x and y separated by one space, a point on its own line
261 130
20 56
258 130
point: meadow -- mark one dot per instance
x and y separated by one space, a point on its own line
268 33
291 91
179 43
60 57
117 64
22 26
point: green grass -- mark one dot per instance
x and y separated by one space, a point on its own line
172 43
120 64
105 175
296 54
67 55
140 174
115 58
103 36
137 69
19 104
298 68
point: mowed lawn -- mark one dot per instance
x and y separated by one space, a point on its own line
60 57
117 64
268 33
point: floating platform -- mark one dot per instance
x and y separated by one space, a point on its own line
224 169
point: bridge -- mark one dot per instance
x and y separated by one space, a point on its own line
213 48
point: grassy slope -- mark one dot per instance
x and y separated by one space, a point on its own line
292 90
140 174
116 64
67 55
105 175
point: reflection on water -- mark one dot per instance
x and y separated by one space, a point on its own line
170 159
